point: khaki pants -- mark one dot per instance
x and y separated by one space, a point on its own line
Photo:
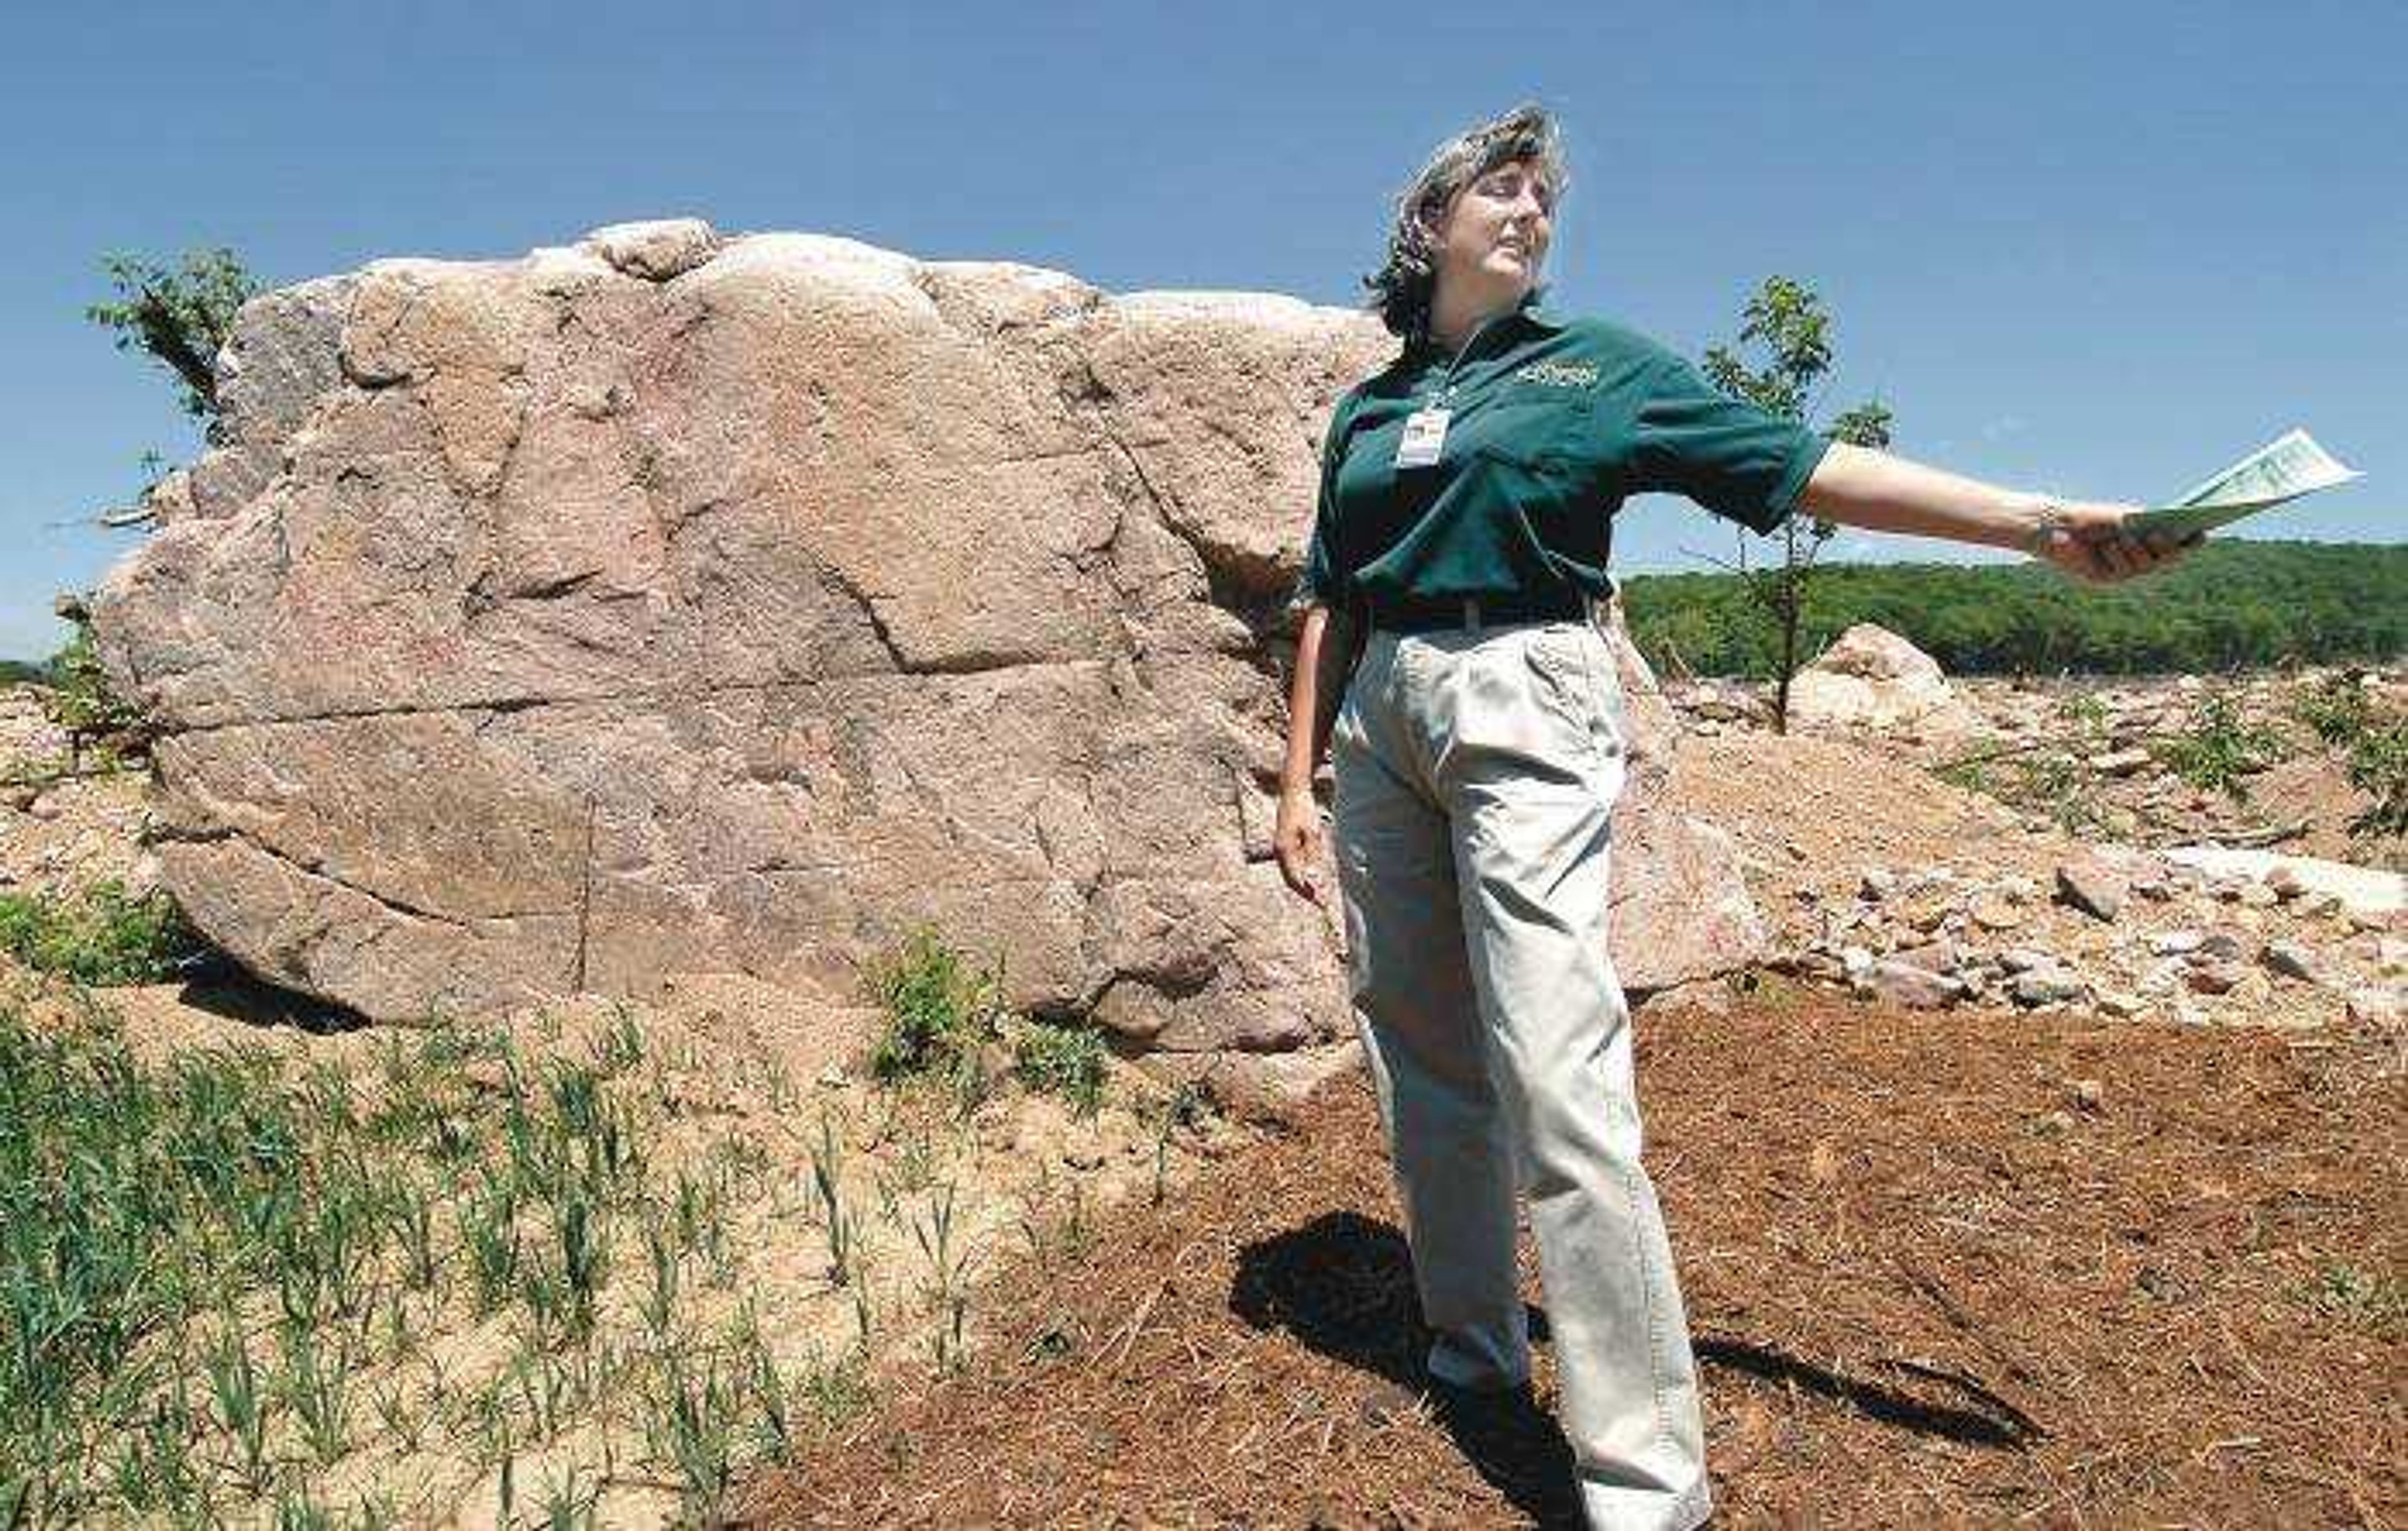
1476 770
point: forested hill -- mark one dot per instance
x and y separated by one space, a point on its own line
2230 604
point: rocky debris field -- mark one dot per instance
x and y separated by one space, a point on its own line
1898 856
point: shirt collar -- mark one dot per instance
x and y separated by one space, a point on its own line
1530 310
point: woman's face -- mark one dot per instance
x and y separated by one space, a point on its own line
1494 238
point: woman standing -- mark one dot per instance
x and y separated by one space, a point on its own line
1461 539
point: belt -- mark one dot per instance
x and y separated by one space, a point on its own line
1467 613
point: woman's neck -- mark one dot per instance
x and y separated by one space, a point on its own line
1454 320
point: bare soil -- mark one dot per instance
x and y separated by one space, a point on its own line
1971 1270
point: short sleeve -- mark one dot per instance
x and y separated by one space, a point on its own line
1733 458
1322 581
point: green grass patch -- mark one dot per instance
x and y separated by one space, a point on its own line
1065 1061
219 1275
99 937
2371 1301
941 1011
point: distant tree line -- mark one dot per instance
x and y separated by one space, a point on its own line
2231 604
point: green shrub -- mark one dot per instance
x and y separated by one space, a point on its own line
102 937
940 1008
1065 1061
2375 745
2378 766
2337 711
2219 748
81 699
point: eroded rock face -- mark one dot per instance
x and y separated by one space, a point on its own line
677 603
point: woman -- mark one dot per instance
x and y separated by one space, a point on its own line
1467 493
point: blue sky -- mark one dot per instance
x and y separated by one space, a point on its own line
2099 248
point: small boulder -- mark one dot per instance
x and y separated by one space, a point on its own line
1870 677
2048 986
2119 763
1992 912
1915 988
2291 959
1938 956
2091 891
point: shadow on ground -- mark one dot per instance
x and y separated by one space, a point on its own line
218 984
1342 1286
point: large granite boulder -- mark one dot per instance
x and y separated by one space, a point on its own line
671 603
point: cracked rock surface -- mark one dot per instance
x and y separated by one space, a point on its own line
672 602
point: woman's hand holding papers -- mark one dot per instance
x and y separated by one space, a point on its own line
2089 542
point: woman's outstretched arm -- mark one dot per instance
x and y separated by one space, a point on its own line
1861 487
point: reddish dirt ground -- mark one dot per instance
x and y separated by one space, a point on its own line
1963 1270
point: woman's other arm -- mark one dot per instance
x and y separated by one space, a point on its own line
1324 652
1861 487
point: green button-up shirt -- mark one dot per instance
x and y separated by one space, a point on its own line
1552 423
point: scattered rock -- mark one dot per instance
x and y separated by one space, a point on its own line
2092 892
1917 988
1992 912
2047 986
2377 1006
2215 977
2119 763
2365 888
1932 957
43 805
2176 943
2291 959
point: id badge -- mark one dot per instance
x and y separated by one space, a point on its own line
1424 438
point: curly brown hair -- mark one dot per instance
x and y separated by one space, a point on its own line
1400 290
